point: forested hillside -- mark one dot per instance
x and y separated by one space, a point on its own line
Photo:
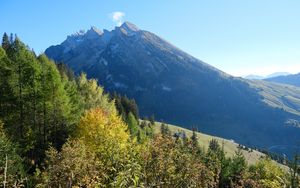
60 130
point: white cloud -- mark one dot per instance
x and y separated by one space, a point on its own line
117 17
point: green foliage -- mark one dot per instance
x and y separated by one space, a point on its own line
75 165
227 171
131 175
146 131
6 92
214 146
164 129
55 105
133 124
238 168
194 139
128 110
65 71
40 104
167 164
267 174
125 106
294 172
93 95
11 167
152 119
101 155
6 43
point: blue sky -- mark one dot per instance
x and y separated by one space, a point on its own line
238 37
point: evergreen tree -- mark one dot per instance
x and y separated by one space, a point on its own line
214 145
294 172
152 119
238 167
24 84
125 105
164 129
132 125
66 71
6 92
194 138
5 42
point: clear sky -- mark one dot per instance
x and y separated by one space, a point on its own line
239 37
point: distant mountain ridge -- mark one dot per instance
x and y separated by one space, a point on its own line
258 77
293 79
180 89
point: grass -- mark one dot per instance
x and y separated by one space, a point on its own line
230 147
286 97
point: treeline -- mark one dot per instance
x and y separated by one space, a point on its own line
60 130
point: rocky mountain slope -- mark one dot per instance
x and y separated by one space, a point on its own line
180 89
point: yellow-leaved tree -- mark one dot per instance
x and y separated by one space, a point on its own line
100 154
108 136
103 132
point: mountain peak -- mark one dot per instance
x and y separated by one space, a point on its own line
129 27
94 30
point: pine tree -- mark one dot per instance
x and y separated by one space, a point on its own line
24 84
164 129
5 42
238 167
6 93
294 172
214 145
194 138
132 125
125 105
152 119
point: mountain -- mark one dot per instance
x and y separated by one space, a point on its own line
180 89
275 74
254 77
293 79
257 77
